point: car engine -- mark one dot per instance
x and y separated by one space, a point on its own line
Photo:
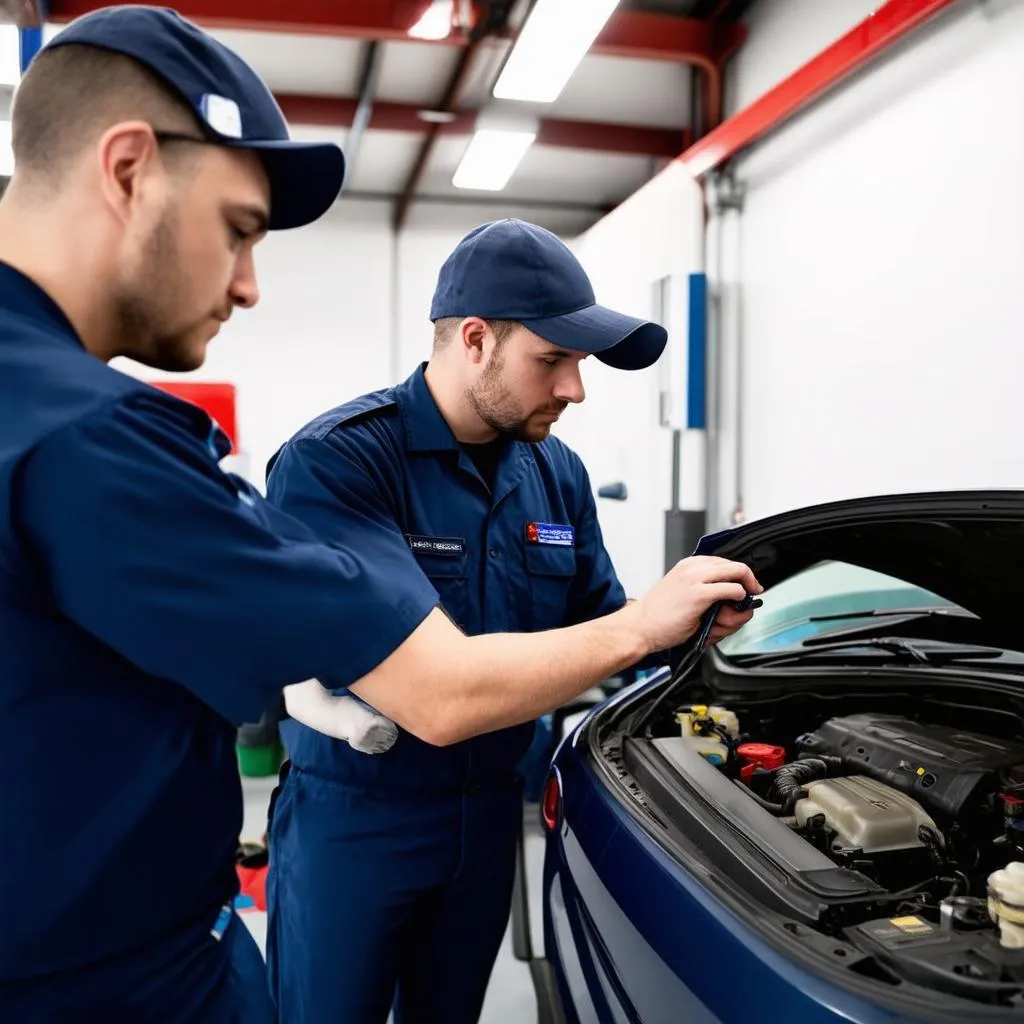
890 797
933 815
884 795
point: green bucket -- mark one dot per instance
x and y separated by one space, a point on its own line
257 762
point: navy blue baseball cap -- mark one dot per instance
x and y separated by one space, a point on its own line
232 103
511 270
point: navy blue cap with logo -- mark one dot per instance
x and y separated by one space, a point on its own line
512 270
234 106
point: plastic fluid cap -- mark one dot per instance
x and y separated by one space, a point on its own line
1006 903
759 755
693 719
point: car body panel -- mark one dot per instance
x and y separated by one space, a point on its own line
633 935
648 942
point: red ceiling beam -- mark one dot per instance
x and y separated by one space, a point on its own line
608 138
887 26
627 34
404 117
359 19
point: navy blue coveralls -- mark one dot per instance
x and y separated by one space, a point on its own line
149 603
396 869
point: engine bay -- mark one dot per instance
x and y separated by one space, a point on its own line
930 816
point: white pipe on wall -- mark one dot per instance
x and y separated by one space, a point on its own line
725 352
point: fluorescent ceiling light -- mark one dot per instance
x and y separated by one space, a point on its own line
6 153
491 158
550 47
435 22
10 55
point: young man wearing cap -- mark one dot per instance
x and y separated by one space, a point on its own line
391 877
150 602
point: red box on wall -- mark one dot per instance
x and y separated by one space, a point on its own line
216 399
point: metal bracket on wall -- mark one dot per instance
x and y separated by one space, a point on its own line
726 192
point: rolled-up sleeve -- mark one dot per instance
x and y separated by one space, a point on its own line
188 573
342 489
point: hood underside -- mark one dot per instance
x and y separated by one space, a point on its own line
967 547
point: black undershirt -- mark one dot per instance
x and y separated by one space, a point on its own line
485 457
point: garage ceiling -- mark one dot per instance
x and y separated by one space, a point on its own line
649 86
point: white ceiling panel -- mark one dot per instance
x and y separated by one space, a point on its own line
290 62
603 89
448 216
415 72
626 91
548 174
383 162
306 65
318 133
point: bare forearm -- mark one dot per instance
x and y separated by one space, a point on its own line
444 687
473 685
534 673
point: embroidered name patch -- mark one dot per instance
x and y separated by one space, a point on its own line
550 533
438 545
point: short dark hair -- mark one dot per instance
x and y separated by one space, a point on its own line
73 93
444 329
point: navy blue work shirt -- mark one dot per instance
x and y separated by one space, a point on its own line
526 555
149 603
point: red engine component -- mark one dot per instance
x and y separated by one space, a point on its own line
759 755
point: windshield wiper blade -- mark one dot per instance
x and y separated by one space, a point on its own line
881 623
903 650
883 613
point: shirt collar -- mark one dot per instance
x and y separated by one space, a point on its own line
426 430
23 297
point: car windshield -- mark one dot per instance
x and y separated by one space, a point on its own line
831 600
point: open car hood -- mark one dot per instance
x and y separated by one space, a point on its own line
967 547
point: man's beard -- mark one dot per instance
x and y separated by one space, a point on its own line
148 308
494 403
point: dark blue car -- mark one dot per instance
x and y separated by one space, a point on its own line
809 822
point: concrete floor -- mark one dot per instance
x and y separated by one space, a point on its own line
510 995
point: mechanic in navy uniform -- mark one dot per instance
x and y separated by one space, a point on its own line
149 602
391 876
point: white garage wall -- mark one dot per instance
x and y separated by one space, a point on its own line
881 267
334 320
656 235
783 35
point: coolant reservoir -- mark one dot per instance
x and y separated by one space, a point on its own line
710 745
720 716
1006 903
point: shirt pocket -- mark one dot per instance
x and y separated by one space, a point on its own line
447 575
550 571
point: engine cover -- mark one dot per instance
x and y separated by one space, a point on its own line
865 814
942 768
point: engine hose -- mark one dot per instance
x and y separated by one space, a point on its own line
775 809
788 782
946 869
730 746
960 885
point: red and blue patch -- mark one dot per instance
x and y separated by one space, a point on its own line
550 533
